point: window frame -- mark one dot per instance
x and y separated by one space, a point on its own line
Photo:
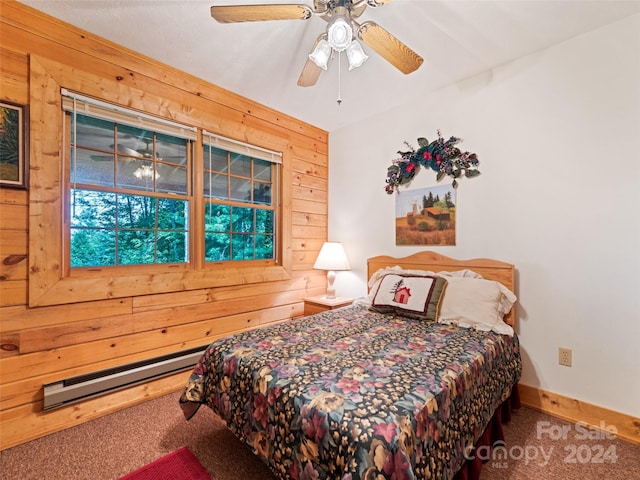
254 153
49 281
70 184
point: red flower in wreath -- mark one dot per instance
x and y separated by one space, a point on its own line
441 156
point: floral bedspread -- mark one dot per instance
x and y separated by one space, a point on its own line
353 394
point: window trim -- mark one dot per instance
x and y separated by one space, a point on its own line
48 283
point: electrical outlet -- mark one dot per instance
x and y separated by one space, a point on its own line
564 357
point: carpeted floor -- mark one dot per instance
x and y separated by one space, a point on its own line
112 446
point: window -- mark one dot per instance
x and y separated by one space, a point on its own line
130 197
240 195
52 281
129 189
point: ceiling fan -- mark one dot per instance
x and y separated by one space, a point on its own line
341 17
128 154
143 153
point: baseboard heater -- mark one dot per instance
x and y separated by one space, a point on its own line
82 387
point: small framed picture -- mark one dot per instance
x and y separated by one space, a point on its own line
14 145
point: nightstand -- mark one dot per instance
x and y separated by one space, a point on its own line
322 304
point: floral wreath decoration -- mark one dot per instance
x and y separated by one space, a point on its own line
441 156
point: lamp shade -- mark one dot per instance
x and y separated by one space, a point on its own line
332 257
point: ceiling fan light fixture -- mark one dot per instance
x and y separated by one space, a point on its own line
356 55
339 33
145 172
321 54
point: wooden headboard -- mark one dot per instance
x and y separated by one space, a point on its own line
489 269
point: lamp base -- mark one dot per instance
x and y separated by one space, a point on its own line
331 290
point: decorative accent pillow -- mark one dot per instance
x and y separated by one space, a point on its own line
477 303
376 278
415 296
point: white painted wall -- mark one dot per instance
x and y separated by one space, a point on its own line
558 138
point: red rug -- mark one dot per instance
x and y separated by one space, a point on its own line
178 465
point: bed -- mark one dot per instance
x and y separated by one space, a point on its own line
404 384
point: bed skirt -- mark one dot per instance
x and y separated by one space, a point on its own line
492 434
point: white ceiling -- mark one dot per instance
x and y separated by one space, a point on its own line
262 60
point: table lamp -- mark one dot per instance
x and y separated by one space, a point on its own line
331 258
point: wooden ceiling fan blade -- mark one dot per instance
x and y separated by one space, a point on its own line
389 47
122 150
310 74
258 13
102 158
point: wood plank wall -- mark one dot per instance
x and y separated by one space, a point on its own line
45 344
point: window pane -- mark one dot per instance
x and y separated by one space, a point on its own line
171 149
136 142
93 132
262 193
136 211
92 247
135 247
172 247
264 247
242 219
243 247
92 209
217 247
240 189
215 159
240 165
264 221
215 186
172 214
171 179
136 174
91 167
262 170
217 218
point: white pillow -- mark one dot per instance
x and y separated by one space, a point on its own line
477 303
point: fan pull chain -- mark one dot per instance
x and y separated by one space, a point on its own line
339 71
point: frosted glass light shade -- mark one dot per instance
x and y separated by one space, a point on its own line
320 55
355 55
339 34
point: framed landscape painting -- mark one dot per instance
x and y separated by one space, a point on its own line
14 121
426 216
